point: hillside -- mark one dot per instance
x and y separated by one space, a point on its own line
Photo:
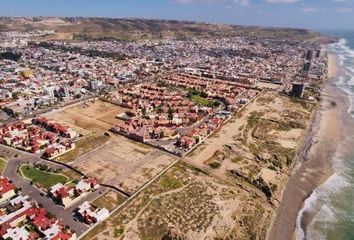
132 29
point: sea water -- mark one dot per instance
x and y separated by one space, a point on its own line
332 203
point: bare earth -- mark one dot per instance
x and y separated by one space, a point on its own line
123 163
186 202
213 193
313 166
91 117
119 161
236 140
222 192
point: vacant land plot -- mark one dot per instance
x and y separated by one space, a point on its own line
84 145
123 163
113 159
259 144
89 117
72 175
109 200
185 203
7 152
45 179
2 164
228 190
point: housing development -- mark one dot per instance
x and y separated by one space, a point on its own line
154 138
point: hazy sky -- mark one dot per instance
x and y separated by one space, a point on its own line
315 14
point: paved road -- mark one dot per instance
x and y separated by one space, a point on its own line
36 194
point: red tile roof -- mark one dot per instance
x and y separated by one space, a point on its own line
5 185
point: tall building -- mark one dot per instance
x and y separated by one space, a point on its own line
94 85
298 90
50 91
306 69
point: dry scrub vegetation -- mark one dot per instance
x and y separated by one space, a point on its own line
228 188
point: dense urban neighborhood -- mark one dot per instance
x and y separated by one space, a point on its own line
165 138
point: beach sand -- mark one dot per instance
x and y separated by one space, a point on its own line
313 165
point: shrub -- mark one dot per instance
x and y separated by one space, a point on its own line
214 165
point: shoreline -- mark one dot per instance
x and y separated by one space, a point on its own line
313 166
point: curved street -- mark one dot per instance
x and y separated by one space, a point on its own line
66 215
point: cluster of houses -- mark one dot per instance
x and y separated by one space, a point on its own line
67 195
231 93
65 72
7 190
39 135
56 76
155 112
166 117
202 130
91 214
21 218
238 59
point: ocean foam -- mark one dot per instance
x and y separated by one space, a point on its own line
308 204
346 79
318 203
327 217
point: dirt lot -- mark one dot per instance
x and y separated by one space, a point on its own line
185 203
123 163
109 200
259 143
228 187
89 117
113 159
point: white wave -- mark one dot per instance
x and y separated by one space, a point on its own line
340 80
327 217
308 204
318 204
343 51
315 203
341 59
346 50
346 84
350 69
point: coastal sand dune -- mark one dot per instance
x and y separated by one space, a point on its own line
313 166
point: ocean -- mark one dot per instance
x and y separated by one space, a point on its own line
332 203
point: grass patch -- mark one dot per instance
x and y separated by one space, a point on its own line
109 200
303 103
200 98
95 231
237 159
214 165
83 146
144 152
45 179
72 174
253 119
170 183
2 164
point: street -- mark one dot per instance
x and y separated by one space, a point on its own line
27 189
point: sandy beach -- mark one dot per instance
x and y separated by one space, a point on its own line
313 165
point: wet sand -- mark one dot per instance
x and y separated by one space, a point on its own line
313 165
